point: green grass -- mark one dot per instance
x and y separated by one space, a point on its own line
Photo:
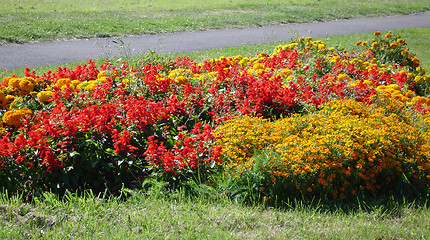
181 217
43 20
418 40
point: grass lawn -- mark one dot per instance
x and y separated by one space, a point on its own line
42 20
181 217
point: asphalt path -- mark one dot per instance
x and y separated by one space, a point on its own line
60 52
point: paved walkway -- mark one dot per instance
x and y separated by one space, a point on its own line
51 53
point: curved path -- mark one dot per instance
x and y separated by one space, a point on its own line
51 53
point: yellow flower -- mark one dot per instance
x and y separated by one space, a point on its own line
6 80
15 117
181 80
103 74
180 76
8 100
63 82
419 79
321 47
14 82
75 83
26 85
44 96
393 45
375 44
420 70
377 33
90 87
257 66
415 62
286 72
388 35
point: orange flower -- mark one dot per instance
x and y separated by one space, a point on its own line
323 182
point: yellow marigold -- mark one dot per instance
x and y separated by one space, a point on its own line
180 76
393 45
419 79
421 70
15 117
410 76
181 80
375 44
399 97
364 43
14 82
63 82
394 86
8 100
368 83
415 62
377 33
286 72
238 57
342 77
410 94
44 96
30 79
245 60
103 74
388 35
26 85
90 87
6 80
75 83
321 47
257 66
23 92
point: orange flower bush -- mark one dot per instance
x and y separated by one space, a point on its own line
344 149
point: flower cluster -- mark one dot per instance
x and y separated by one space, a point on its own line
98 127
342 150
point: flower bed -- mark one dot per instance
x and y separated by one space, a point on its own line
323 121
